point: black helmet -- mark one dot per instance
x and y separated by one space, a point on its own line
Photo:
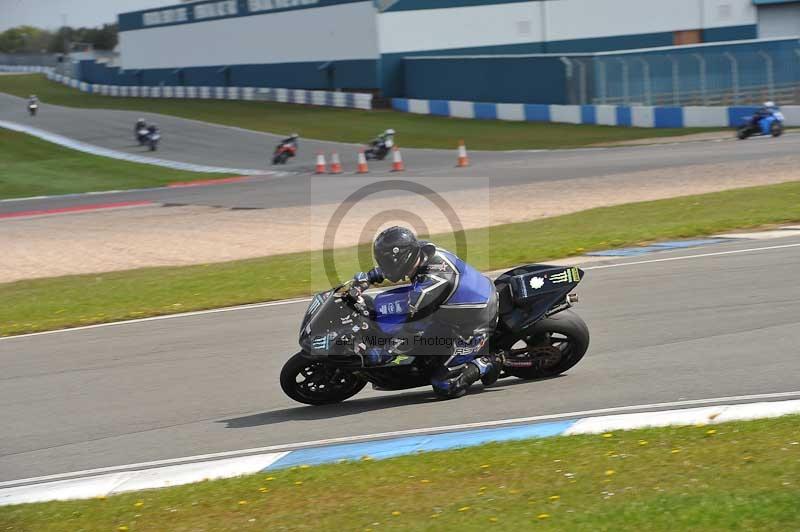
397 252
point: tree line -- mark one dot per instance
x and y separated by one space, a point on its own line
29 39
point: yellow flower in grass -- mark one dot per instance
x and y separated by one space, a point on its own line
463 509
263 490
610 472
298 483
485 466
395 513
711 432
122 528
138 504
675 451
554 497
642 442
242 502
493 519
542 516
608 435
269 479
425 481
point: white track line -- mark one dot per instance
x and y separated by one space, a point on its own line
307 299
409 432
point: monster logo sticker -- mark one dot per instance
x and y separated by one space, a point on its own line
321 342
536 282
572 275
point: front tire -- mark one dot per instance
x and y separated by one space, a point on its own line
554 345
743 132
776 129
313 382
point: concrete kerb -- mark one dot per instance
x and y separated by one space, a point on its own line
427 440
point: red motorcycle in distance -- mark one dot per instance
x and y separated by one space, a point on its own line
285 150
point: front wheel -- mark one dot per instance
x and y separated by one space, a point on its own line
313 382
743 132
776 129
553 346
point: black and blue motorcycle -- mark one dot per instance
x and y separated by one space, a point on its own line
537 336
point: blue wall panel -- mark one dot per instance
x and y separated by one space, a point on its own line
624 116
668 117
440 107
485 111
355 74
493 79
537 112
737 114
588 114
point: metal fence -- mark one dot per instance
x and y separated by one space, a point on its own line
705 75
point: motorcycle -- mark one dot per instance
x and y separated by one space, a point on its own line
33 108
771 124
283 152
152 140
537 336
378 149
141 135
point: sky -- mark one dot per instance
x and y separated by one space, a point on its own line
89 13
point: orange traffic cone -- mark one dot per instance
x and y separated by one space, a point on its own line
463 158
322 167
336 164
397 161
362 162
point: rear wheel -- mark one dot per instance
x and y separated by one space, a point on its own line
776 129
315 383
554 345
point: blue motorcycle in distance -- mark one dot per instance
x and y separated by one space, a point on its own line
771 124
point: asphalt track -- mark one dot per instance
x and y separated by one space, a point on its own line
201 143
721 320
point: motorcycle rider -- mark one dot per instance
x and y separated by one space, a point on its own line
33 101
291 140
767 109
385 139
452 310
140 124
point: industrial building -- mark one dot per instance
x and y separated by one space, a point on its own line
366 45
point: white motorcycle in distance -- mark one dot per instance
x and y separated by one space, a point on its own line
33 107
153 136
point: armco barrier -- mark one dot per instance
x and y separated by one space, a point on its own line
609 115
355 100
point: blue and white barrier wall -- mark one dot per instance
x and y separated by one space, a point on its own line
354 100
25 68
609 115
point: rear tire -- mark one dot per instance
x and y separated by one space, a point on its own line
313 382
556 344
776 129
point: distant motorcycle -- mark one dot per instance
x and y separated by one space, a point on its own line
769 125
33 108
141 135
283 152
379 149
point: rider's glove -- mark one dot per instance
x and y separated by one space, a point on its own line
363 279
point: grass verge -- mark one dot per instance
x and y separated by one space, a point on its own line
43 304
346 125
32 167
734 476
